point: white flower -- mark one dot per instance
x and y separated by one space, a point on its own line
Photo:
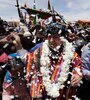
54 92
12 97
53 88
62 86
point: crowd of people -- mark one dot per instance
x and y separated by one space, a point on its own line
44 61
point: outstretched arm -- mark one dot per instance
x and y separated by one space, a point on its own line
20 50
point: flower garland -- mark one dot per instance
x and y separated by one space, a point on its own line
53 88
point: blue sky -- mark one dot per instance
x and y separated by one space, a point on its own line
72 10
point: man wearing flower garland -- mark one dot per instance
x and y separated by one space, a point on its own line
53 69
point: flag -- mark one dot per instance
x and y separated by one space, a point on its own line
49 6
34 20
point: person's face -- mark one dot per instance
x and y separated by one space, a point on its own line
71 37
54 41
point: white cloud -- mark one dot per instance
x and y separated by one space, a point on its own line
78 4
70 4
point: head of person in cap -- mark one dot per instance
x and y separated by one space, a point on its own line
53 33
27 40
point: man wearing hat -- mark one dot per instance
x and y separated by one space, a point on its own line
54 69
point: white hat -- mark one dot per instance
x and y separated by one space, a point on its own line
27 33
